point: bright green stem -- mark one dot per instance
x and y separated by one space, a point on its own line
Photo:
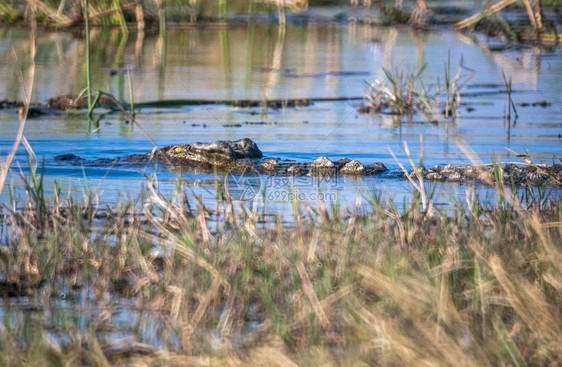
222 9
88 74
120 16
91 108
131 95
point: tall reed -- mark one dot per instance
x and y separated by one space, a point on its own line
88 72
27 93
131 94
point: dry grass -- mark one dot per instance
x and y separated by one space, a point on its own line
27 91
479 284
133 13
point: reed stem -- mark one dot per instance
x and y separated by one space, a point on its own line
88 74
91 108
222 9
131 96
120 16
282 13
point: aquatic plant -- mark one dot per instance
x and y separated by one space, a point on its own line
407 93
401 97
453 86
510 103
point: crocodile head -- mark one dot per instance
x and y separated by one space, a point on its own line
218 153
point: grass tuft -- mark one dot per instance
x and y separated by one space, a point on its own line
175 282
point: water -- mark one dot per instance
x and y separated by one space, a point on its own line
263 62
260 62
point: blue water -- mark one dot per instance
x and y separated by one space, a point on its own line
262 62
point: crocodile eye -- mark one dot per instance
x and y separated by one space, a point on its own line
178 149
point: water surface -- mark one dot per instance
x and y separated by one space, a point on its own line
264 62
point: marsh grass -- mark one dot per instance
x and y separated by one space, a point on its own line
510 103
405 93
402 93
169 281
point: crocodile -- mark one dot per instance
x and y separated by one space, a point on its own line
519 175
244 156
227 156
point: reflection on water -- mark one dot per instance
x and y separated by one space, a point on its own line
266 62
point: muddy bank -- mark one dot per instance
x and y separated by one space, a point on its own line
68 101
64 102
